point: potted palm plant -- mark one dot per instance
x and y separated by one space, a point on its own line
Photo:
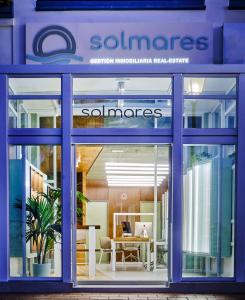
43 225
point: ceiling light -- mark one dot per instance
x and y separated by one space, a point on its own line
117 151
131 181
136 172
136 168
133 177
131 184
134 164
196 85
121 87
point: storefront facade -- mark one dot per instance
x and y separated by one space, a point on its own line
145 125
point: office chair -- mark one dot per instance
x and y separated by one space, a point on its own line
105 247
132 249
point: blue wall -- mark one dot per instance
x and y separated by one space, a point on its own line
217 13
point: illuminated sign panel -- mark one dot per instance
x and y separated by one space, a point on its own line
119 43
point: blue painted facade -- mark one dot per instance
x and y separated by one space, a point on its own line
12 63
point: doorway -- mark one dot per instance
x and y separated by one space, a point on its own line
121 208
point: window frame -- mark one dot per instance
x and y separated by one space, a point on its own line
178 136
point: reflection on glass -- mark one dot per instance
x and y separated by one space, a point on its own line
123 86
208 210
34 114
210 86
122 113
34 86
210 113
127 188
35 211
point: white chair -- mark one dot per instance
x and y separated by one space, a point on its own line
105 247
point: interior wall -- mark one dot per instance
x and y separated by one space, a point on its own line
98 190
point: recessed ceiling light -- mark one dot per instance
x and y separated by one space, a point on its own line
117 151
134 164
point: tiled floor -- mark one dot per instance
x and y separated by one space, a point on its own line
79 296
128 271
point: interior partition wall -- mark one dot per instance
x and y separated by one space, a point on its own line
198 145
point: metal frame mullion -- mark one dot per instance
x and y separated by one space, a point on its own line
66 176
34 140
210 97
74 217
34 97
4 182
122 96
176 216
121 132
121 139
210 131
210 140
240 187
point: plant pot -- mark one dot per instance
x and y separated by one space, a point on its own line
41 270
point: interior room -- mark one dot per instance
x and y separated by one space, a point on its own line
129 202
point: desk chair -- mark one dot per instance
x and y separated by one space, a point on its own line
126 230
105 247
132 249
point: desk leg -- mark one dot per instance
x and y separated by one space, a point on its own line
143 247
148 256
91 256
113 256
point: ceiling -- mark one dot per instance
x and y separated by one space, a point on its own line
112 153
25 86
142 85
133 85
208 86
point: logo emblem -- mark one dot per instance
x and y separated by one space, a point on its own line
58 56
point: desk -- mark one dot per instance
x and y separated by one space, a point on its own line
130 240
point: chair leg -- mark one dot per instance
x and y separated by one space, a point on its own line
101 254
138 255
123 257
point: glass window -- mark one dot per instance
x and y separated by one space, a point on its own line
210 102
119 110
34 113
123 86
210 86
35 211
122 113
208 113
34 86
208 210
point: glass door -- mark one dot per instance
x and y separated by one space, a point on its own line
121 199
